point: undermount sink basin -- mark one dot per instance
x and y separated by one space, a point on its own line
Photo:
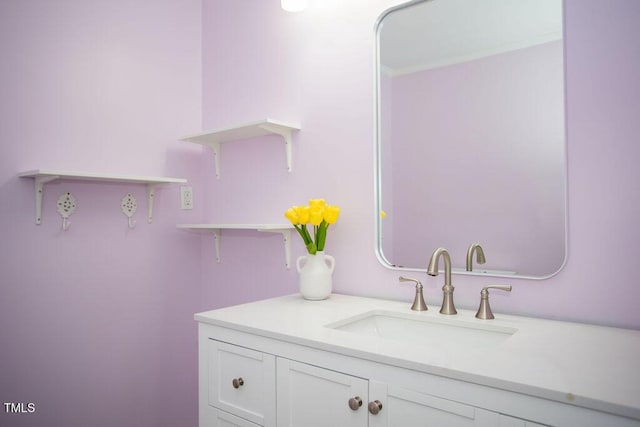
420 329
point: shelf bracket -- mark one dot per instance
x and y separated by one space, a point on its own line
215 146
286 239
216 241
40 181
151 193
286 135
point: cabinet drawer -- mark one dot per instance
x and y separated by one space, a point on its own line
224 419
410 408
242 382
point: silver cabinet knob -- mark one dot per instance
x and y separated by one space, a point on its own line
375 407
237 382
355 403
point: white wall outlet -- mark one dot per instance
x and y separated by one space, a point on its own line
186 198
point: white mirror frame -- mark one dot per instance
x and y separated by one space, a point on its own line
378 166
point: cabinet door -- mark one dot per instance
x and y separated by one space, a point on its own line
409 408
242 382
314 397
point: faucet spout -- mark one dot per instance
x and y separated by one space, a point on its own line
475 247
432 270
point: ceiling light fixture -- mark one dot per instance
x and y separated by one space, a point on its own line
293 5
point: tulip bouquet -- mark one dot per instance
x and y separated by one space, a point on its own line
317 213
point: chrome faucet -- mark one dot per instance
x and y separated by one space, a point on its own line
475 247
447 302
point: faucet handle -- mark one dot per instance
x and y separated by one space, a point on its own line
409 279
418 301
501 287
484 311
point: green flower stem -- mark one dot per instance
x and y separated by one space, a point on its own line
311 246
321 235
306 238
317 242
301 232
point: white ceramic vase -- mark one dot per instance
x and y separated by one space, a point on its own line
315 275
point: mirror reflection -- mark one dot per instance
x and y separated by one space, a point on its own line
471 135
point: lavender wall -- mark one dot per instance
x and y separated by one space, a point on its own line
316 67
96 323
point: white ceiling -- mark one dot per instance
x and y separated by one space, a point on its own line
443 32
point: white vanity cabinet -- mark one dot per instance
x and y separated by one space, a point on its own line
246 387
261 364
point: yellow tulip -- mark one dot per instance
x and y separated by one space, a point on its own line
316 215
383 214
317 203
331 213
292 216
303 214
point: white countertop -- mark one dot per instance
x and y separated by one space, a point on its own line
586 365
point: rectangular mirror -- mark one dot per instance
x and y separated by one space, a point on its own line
470 135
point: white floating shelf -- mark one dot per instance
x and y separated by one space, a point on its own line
215 229
214 138
43 176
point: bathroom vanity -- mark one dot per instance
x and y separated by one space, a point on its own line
353 361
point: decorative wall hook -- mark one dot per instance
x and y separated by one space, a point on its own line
129 207
66 206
